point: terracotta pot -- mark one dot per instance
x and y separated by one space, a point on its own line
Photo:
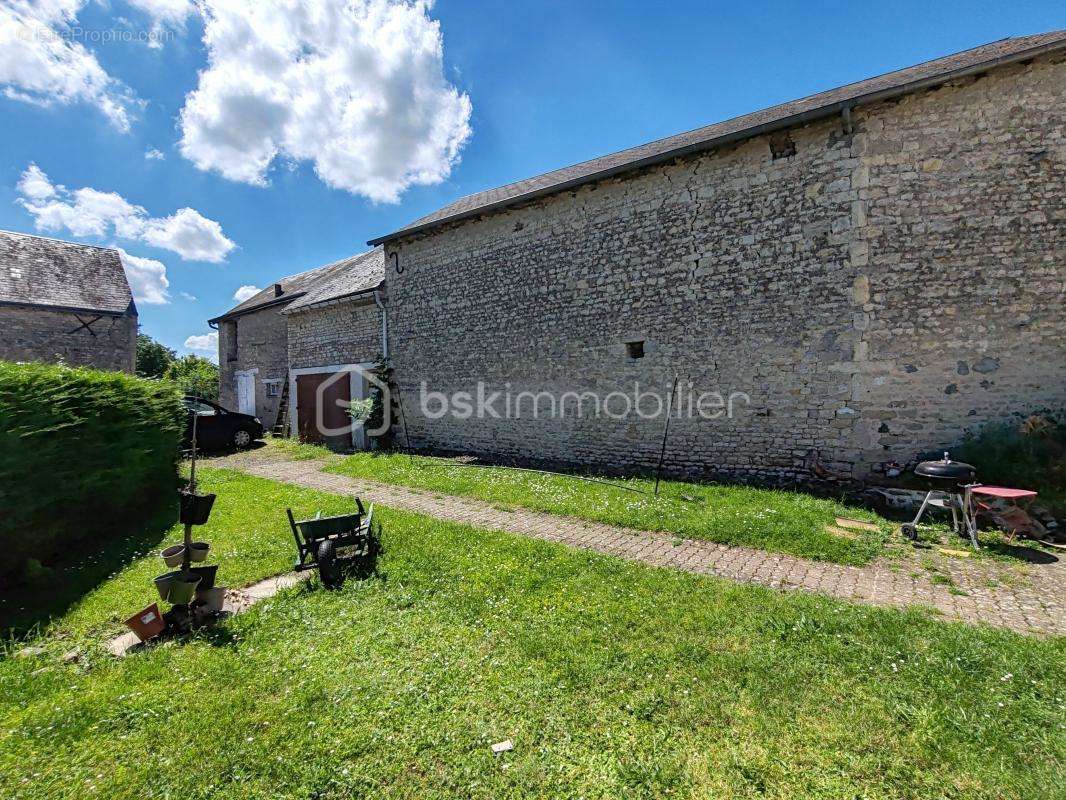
182 589
163 584
207 576
198 551
172 555
146 623
213 598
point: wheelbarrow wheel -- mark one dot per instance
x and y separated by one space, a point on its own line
329 568
910 531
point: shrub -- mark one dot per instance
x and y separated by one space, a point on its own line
1025 455
194 375
84 454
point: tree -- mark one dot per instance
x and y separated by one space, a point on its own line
195 375
153 358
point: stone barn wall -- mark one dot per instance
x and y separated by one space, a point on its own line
258 341
875 292
342 333
962 283
29 333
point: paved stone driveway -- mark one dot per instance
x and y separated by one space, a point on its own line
1033 601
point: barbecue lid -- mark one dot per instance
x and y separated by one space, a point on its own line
945 468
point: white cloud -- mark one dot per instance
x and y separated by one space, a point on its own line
42 62
205 343
34 184
90 212
172 13
246 292
166 16
355 86
154 155
190 297
189 234
147 277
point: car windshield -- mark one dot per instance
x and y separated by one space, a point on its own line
199 408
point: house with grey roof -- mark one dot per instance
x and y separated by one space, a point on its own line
876 269
65 302
280 347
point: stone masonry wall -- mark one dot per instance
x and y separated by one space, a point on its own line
961 261
843 288
262 345
38 334
344 333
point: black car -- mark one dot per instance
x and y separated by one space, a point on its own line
217 427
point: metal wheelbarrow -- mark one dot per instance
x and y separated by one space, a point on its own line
335 545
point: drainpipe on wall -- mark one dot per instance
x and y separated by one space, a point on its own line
384 325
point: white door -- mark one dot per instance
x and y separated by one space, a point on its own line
246 393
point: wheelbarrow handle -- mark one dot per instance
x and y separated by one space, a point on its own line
295 532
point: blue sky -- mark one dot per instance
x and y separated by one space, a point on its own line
519 88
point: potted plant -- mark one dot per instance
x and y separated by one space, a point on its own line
212 599
173 555
183 588
163 584
207 576
194 509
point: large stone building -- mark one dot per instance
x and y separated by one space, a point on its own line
278 347
878 268
65 302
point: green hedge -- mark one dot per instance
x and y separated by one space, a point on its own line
84 454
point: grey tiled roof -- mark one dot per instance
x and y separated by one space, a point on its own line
780 116
38 271
343 278
340 278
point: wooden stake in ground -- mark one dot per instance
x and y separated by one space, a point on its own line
666 432
186 558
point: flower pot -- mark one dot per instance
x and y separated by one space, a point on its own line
212 599
172 555
198 551
163 584
207 576
194 509
146 623
182 589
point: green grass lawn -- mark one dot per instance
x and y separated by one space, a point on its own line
249 538
612 680
778 521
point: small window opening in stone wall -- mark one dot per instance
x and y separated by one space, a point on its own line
273 388
782 146
231 340
635 349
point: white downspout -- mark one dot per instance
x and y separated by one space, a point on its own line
384 325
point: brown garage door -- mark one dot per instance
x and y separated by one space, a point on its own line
308 389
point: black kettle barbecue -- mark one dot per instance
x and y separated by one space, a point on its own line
950 486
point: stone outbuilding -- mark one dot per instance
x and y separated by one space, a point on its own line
65 302
278 347
878 269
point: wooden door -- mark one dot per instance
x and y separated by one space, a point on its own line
334 415
246 393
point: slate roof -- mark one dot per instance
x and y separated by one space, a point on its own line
344 278
37 271
891 84
348 276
